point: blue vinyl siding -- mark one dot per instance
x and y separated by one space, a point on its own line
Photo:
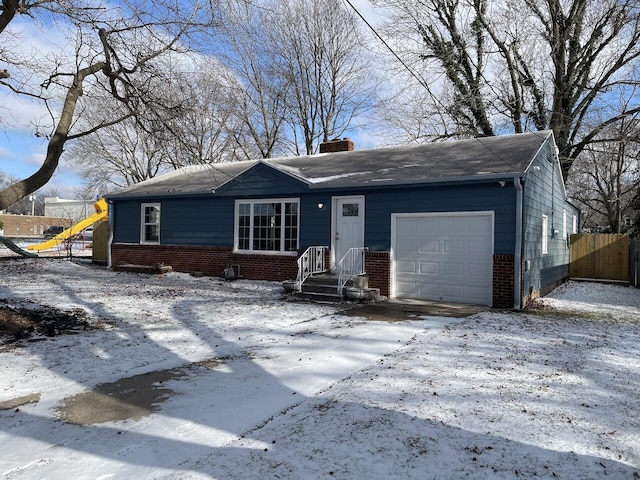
544 195
197 221
262 181
183 221
125 216
380 203
315 222
210 220
455 198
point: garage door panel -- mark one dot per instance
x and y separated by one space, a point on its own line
406 267
479 270
429 268
428 290
426 226
478 292
456 269
453 226
407 290
407 226
474 249
408 244
453 246
430 246
479 226
447 257
453 293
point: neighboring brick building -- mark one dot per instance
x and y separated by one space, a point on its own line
27 226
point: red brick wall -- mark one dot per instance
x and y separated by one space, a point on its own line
503 277
378 267
213 260
209 260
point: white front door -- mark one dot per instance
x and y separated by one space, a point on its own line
348 225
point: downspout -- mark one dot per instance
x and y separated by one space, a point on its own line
110 221
517 263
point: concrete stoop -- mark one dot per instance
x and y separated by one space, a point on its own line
324 288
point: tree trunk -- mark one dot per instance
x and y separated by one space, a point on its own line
18 190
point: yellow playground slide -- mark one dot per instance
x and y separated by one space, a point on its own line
102 210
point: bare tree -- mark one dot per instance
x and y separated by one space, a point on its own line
116 156
196 129
606 177
520 65
244 44
114 47
206 129
321 52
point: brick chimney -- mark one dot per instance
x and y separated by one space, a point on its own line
337 145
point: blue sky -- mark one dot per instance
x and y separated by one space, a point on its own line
21 152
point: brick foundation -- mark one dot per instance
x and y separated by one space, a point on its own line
209 260
378 267
503 277
213 260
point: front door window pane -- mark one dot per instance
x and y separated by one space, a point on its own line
350 210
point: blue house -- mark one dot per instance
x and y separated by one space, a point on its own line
483 221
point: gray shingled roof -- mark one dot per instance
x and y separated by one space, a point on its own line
488 157
193 179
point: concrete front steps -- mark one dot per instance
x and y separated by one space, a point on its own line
324 288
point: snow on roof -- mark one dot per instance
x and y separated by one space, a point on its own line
499 156
191 179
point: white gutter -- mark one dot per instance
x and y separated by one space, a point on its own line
517 262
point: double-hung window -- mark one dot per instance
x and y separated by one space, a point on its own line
267 225
150 223
545 238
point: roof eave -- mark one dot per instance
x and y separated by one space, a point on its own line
430 181
285 169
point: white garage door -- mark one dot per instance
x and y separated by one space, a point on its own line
444 257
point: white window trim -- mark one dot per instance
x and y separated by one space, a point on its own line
236 226
545 236
574 224
143 240
565 231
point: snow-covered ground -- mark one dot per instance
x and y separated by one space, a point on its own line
254 387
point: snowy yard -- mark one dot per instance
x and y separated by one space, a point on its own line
240 384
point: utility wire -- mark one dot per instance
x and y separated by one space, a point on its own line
384 42
421 81
415 75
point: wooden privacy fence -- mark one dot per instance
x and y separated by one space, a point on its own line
600 256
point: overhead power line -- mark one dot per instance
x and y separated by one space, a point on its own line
388 47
